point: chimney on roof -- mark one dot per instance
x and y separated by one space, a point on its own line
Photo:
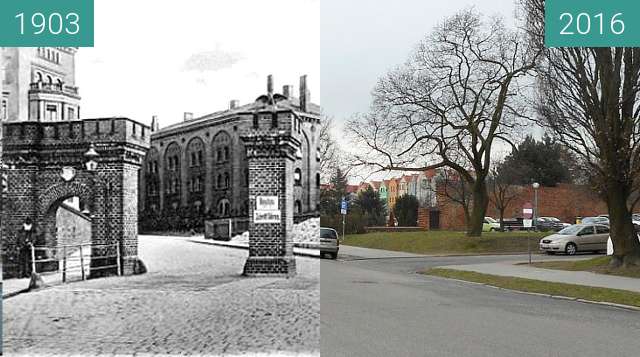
270 84
234 104
188 116
304 94
155 123
287 91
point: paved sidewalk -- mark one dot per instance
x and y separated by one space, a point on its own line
244 244
557 276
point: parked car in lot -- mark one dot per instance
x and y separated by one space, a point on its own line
490 225
549 224
577 238
329 244
636 225
595 220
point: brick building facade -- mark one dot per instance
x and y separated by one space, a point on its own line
199 168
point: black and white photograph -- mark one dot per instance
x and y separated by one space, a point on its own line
161 189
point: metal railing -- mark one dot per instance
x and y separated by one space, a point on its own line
71 258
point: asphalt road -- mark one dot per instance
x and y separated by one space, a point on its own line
380 307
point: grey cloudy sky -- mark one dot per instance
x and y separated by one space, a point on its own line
362 39
165 57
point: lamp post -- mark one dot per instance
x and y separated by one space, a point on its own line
535 186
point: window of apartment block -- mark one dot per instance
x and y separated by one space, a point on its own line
71 113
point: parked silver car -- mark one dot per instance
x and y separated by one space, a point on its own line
577 238
329 244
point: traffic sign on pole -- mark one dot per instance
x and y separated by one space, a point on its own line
343 206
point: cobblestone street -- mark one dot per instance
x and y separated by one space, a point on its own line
193 300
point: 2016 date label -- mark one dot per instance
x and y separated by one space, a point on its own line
592 23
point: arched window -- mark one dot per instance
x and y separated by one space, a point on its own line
219 185
223 207
49 79
298 207
226 153
39 77
246 177
297 177
226 180
318 180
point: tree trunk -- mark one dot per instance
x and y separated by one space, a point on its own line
623 235
479 205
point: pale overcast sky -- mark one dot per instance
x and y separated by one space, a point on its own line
363 39
165 57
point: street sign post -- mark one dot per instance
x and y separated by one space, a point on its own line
343 211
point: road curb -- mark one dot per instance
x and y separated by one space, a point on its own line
245 248
557 297
14 293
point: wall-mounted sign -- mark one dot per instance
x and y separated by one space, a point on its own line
266 216
68 173
267 203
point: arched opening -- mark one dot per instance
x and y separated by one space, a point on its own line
66 237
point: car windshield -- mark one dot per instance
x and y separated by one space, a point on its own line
328 233
571 230
554 219
490 220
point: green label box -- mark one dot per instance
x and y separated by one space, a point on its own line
592 23
46 23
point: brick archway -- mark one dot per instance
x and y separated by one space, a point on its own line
55 194
47 165
50 200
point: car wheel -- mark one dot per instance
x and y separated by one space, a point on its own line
492 229
334 256
571 249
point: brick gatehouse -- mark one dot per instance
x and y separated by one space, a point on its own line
46 165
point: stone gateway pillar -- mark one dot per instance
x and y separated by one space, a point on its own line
272 147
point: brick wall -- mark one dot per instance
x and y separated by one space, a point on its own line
564 201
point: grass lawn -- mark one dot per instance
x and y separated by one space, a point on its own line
543 287
447 242
597 265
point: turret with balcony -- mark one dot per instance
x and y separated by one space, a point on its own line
50 101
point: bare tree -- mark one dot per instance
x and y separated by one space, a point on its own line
329 150
588 99
502 189
456 190
447 106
